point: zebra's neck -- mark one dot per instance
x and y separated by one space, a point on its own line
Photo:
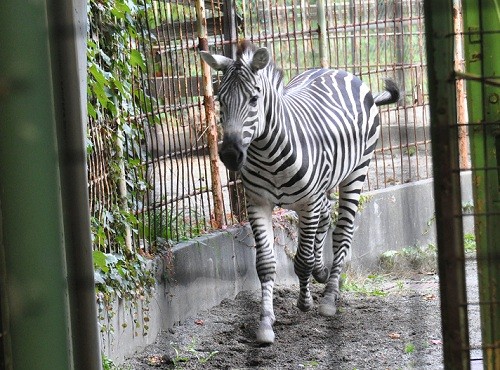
275 145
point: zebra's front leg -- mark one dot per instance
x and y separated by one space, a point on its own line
260 217
305 256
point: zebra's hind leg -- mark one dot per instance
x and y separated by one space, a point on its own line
320 272
304 260
349 194
260 217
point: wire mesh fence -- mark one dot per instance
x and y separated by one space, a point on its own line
468 276
152 170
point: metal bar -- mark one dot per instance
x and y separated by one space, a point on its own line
439 25
472 77
68 34
208 98
482 47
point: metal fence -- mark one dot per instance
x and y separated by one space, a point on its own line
162 178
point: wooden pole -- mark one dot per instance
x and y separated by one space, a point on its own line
208 98
322 35
462 114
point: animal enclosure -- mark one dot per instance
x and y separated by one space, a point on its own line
153 169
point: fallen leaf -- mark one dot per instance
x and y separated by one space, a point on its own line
430 297
156 360
394 335
199 322
436 341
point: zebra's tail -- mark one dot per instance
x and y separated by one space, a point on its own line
390 95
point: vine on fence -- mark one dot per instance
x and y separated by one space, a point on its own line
115 97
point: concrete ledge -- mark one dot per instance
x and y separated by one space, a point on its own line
199 274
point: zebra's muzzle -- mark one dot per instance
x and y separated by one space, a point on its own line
232 154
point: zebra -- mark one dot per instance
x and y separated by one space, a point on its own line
293 145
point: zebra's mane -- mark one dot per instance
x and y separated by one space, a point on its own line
244 55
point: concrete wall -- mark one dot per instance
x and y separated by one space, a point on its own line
199 274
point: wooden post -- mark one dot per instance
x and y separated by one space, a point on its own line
122 189
322 35
235 188
208 98
462 114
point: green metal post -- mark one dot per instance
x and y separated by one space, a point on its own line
482 51
68 25
35 287
451 261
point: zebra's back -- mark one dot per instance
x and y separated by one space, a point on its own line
331 123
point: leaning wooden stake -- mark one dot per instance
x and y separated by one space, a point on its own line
462 114
208 98
323 41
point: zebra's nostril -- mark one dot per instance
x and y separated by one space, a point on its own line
232 157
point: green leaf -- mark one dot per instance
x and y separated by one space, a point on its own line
98 277
111 259
100 260
136 59
98 74
91 111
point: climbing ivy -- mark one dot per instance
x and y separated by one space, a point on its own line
116 66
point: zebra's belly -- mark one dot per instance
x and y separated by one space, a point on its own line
286 189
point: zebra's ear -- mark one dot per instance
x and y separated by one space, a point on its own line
260 59
217 62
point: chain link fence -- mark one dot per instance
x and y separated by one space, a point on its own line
153 171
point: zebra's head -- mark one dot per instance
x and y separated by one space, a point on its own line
241 101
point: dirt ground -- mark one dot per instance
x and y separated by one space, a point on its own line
383 322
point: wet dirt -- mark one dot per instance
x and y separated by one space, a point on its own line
382 322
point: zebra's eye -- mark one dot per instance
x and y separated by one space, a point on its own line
253 100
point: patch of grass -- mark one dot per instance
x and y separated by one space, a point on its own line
370 285
108 364
470 243
410 259
309 364
410 151
165 224
191 353
409 348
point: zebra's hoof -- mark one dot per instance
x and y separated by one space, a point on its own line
322 276
265 334
327 309
305 304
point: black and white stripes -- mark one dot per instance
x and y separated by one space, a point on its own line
293 144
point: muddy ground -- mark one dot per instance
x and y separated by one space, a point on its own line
383 322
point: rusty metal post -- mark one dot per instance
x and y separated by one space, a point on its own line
462 115
208 98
